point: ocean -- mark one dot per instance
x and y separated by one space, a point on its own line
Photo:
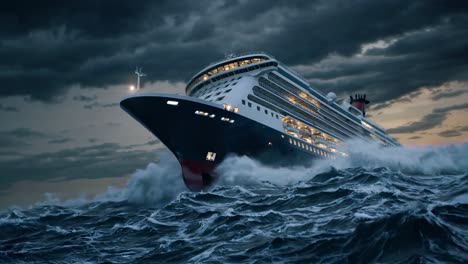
379 205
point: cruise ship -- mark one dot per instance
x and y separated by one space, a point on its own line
251 105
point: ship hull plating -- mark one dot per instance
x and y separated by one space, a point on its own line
195 138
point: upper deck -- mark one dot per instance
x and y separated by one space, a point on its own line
216 69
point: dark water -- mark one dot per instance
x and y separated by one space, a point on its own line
413 208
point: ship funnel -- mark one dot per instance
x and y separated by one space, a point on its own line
359 101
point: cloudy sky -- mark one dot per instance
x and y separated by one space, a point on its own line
65 65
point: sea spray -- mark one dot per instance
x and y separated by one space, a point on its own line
424 160
155 185
158 183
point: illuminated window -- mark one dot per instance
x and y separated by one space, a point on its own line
290 141
229 66
211 156
172 103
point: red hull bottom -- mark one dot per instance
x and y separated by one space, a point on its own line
198 175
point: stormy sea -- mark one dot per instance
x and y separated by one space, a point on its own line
379 205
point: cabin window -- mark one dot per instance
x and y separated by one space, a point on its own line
243 102
210 156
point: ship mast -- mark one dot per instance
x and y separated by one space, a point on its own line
139 74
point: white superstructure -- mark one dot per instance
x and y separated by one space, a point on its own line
259 87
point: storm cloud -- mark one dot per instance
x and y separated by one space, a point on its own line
434 119
8 108
96 44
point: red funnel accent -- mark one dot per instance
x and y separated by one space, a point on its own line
359 101
359 105
198 175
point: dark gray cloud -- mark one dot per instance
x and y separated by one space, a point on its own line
428 56
405 99
19 137
415 137
449 133
97 44
92 140
98 161
455 132
448 94
22 132
84 98
8 108
99 105
434 119
60 141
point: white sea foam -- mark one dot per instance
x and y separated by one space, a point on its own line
158 183
161 182
427 160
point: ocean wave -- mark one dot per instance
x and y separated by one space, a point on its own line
395 206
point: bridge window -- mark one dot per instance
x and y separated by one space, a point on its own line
227 67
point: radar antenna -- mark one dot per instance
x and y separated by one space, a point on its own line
139 74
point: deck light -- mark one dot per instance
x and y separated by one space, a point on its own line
172 103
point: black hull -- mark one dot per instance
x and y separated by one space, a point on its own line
190 136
